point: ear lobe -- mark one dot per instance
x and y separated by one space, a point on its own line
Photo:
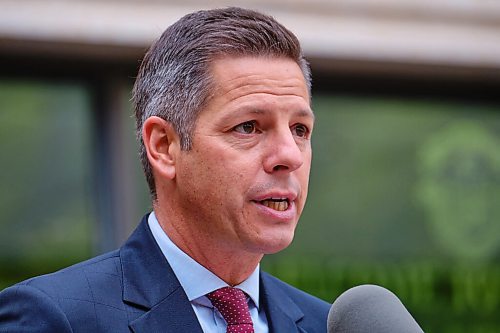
162 145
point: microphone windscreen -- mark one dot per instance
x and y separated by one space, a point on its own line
370 308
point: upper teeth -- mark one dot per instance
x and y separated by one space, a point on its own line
276 204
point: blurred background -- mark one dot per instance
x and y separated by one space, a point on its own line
405 186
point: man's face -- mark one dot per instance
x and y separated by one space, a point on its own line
244 183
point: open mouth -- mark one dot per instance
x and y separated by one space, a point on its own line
278 204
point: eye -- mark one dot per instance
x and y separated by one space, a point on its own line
300 130
248 127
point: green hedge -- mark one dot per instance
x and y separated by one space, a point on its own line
445 299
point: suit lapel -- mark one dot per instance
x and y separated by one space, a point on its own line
152 289
173 315
283 314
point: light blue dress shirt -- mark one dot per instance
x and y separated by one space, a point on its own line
197 281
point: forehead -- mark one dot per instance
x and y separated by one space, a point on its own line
247 87
235 76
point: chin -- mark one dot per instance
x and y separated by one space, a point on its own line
276 245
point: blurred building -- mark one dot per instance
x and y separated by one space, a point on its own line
385 45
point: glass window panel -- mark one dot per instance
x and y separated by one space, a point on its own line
45 193
403 179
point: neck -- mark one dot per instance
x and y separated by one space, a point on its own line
230 265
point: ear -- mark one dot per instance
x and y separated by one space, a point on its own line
162 145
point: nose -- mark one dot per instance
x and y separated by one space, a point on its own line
283 153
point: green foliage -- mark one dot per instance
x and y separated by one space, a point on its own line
438 296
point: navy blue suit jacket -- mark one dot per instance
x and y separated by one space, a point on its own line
133 289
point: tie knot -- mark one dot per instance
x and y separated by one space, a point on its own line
232 305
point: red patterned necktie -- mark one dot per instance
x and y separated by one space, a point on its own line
232 304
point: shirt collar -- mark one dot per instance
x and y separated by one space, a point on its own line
189 272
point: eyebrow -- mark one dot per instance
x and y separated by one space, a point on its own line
299 113
306 113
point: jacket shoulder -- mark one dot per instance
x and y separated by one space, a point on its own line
72 297
27 309
82 280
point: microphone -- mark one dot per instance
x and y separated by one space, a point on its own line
370 309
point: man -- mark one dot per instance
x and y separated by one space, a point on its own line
222 103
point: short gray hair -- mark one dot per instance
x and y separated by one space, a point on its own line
174 81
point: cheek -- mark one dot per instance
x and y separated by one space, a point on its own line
219 174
